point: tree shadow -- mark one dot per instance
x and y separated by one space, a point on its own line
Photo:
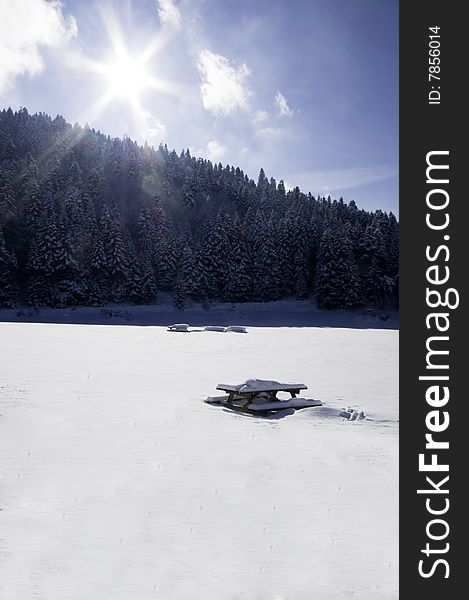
163 315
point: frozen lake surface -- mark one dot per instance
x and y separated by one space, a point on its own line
119 483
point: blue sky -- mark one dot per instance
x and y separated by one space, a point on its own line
308 89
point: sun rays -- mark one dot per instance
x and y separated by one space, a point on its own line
123 74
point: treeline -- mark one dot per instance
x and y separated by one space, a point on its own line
87 219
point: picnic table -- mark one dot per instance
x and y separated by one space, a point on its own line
256 395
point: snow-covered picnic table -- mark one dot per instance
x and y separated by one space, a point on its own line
255 387
258 395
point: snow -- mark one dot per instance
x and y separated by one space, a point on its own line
185 327
292 403
179 327
352 415
119 482
262 385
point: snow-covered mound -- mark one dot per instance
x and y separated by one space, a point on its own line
236 329
350 414
118 482
179 327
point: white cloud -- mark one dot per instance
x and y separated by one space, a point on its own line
282 105
224 87
153 129
324 182
260 117
215 151
25 26
168 13
270 133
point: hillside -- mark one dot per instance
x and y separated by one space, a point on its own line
86 219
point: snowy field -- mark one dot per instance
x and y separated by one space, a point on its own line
119 483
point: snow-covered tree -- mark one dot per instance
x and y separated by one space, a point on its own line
8 266
267 274
115 253
239 281
336 279
186 283
372 266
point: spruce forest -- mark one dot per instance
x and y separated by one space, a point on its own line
87 219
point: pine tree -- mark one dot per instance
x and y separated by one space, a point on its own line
205 264
267 278
336 281
8 266
301 275
239 281
372 266
135 281
262 181
68 288
281 190
301 260
95 272
7 202
217 252
189 192
40 263
32 202
166 257
148 284
202 274
48 262
286 255
115 253
95 187
189 281
147 253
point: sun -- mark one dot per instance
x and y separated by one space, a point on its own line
125 73
127 78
